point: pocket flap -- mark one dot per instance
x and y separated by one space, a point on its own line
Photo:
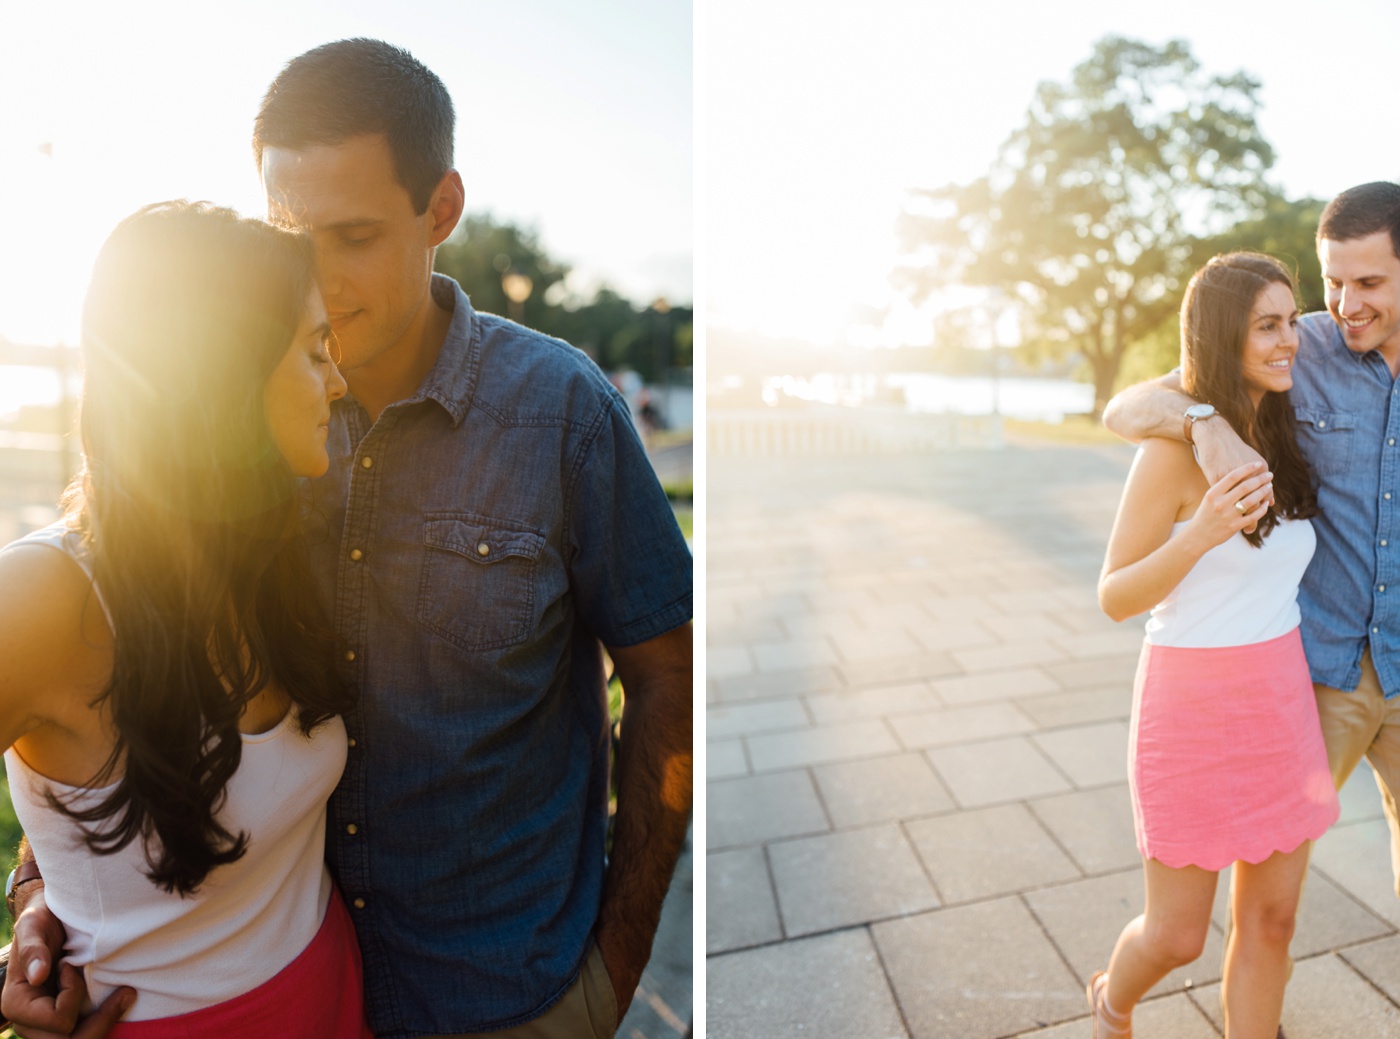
482 541
1325 420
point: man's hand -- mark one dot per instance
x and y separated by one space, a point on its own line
1158 409
1220 451
38 1009
654 774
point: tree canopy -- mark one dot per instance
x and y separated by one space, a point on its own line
1093 212
483 253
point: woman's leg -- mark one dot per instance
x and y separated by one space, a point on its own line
1171 932
1263 908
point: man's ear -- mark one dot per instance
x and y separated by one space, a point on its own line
445 207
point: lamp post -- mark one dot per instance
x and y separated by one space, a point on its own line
517 287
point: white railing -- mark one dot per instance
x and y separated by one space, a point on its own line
832 430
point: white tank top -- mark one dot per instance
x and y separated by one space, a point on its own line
1236 594
247 921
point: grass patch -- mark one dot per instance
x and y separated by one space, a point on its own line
679 488
1075 429
685 516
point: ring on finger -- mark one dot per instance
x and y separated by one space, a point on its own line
1239 507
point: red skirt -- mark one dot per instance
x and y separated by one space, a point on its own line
319 995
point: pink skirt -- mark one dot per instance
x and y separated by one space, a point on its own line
319 995
1225 758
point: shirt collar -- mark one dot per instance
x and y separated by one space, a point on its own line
452 380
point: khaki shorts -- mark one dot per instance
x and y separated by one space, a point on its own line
587 1009
1363 723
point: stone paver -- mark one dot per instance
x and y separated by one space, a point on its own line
960 725
726 759
1091 755
997 685
847 878
793 654
1078 707
831 987
737 688
1094 826
966 853
1349 855
877 790
919 820
840 742
998 770
876 702
950 971
763 808
744 719
1097 672
740 908
1379 963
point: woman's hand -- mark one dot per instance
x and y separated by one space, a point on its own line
1238 501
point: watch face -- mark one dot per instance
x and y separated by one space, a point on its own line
1197 411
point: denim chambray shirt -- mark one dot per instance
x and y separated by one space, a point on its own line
484 536
1347 407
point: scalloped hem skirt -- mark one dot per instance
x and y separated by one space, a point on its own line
1225 756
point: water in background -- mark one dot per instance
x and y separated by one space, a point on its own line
1048 400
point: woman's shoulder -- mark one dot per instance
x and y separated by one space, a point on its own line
52 628
1167 455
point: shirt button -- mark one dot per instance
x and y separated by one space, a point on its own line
359 903
1391 441
1322 424
483 549
356 555
1387 496
367 462
1375 631
354 742
352 829
350 655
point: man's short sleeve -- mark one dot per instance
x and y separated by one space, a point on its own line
630 569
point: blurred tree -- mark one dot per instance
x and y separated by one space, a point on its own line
481 252
1091 211
611 329
1286 230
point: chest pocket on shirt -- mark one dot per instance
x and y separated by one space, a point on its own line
477 587
1326 438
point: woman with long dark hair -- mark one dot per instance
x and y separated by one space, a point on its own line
168 696
1226 760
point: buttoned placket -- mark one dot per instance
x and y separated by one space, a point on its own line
351 621
1385 615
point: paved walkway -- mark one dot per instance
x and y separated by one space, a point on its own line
918 815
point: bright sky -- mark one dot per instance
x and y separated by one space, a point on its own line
819 118
573 118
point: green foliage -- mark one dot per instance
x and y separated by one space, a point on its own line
1091 213
611 329
1287 230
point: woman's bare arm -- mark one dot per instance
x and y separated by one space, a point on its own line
1145 561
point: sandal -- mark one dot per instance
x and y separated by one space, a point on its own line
1107 1024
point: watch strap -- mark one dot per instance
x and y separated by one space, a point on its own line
22 874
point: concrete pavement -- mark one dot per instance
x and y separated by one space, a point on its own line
918 815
